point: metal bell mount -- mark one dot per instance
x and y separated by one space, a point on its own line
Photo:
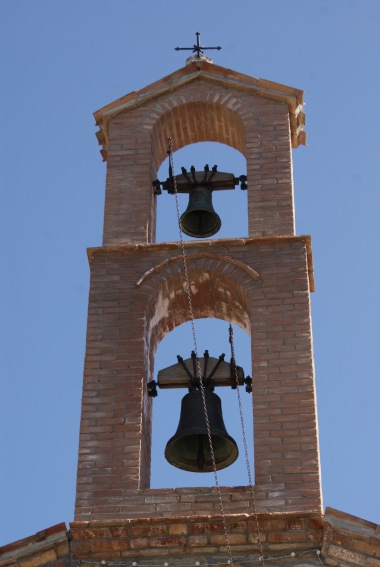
200 219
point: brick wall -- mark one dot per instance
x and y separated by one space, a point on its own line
137 296
203 538
337 539
46 548
200 111
348 540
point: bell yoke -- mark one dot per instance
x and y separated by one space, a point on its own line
200 219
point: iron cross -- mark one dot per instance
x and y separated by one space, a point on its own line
198 48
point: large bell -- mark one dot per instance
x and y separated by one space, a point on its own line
200 220
189 448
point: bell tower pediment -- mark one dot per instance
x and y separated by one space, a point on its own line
206 72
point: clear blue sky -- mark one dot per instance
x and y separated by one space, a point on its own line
62 60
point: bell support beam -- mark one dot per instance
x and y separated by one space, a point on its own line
186 181
175 376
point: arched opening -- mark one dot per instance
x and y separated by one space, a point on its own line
230 205
220 287
212 334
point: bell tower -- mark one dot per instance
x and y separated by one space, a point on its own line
137 295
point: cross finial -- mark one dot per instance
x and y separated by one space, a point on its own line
198 48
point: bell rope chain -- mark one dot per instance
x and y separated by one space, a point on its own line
192 320
252 492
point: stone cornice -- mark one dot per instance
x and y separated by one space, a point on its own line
202 244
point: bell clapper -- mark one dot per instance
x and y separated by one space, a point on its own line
201 455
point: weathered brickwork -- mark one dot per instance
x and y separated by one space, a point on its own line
199 110
173 536
349 540
47 548
136 297
336 539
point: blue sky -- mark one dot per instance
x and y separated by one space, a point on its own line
61 61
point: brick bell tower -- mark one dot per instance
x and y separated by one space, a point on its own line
137 295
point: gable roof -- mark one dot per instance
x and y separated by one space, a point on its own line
214 74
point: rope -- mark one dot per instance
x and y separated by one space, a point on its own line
190 305
252 492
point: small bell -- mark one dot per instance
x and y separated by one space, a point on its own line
200 219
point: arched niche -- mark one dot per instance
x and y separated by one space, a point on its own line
230 205
212 334
220 289
196 121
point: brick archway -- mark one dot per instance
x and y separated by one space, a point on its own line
197 121
199 111
220 288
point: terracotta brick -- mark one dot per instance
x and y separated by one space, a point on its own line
366 547
118 532
148 531
62 548
197 540
111 545
209 527
178 529
167 542
139 543
41 559
346 555
287 537
234 539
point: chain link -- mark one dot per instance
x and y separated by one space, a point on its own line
190 304
252 492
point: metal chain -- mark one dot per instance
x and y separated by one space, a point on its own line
190 304
253 499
